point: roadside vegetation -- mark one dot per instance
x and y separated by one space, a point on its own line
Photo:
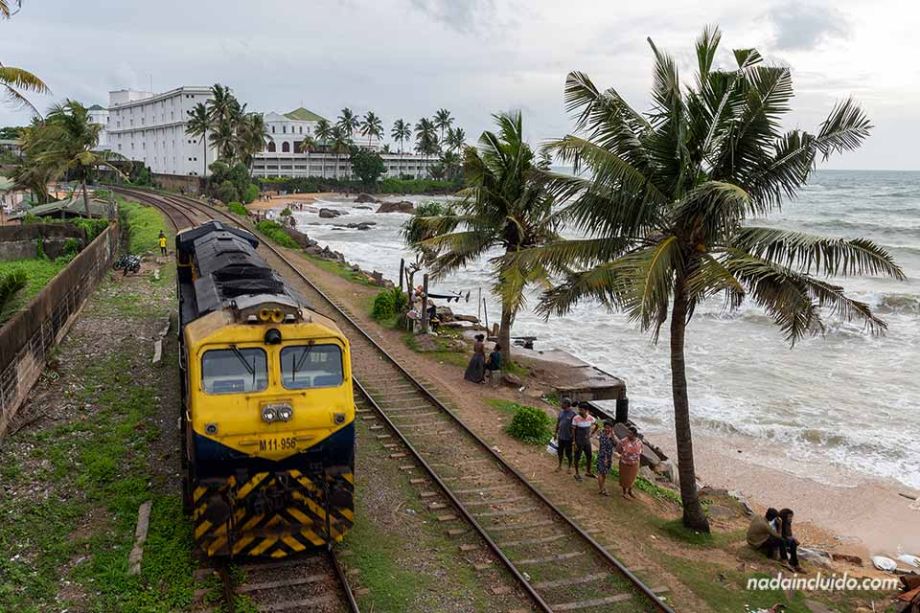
274 231
29 276
141 226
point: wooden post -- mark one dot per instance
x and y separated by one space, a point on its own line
402 268
485 312
425 304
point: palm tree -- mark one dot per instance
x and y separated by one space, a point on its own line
323 132
664 204
223 138
13 81
450 161
371 126
66 143
426 139
349 122
442 121
251 136
456 138
340 144
401 132
198 125
505 207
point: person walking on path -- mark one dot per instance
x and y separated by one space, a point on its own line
563 434
605 446
162 242
630 450
583 427
476 371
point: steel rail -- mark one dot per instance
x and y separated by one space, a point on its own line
597 547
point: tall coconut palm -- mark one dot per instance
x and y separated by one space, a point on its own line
198 125
456 138
339 142
506 207
663 199
426 137
251 136
401 132
371 127
323 132
349 122
442 121
66 141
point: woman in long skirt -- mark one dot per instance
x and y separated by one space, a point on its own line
476 371
630 450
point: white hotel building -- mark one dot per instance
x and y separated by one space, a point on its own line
150 128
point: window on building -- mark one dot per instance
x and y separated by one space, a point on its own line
284 129
271 147
285 147
273 129
301 129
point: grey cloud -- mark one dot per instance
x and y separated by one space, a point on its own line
460 15
799 26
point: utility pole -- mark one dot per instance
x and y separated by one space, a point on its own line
425 304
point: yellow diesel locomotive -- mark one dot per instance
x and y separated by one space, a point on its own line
267 411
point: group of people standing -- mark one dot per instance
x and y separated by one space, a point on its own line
573 435
481 368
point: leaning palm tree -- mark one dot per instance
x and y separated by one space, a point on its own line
198 125
663 199
323 132
402 131
349 122
506 207
456 138
66 143
371 127
442 121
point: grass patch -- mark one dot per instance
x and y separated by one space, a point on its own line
38 273
142 225
438 347
276 234
339 269
237 208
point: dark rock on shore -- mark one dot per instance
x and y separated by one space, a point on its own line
330 213
403 206
366 198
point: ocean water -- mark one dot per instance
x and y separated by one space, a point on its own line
845 397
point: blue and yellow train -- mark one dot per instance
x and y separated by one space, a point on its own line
268 411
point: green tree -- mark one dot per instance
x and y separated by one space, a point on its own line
426 137
348 122
371 127
198 125
663 199
401 132
442 121
66 143
456 139
367 165
323 133
251 136
505 207
339 143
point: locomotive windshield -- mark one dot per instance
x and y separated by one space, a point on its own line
233 371
306 366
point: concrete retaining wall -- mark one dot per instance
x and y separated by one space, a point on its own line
27 340
19 242
184 183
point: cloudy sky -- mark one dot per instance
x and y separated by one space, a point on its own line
407 58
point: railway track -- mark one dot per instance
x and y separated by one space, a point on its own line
560 565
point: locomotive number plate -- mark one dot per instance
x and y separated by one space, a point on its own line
278 444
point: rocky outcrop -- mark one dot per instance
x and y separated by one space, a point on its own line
366 198
330 213
403 206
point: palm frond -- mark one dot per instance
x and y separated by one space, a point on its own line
713 210
808 252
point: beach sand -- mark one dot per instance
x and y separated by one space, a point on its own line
863 512
279 202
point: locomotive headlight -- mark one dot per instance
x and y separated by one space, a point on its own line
285 413
269 414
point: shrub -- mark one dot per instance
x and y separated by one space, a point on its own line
276 234
250 193
238 209
286 212
389 303
10 285
227 192
92 227
530 425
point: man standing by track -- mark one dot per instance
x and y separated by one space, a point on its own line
162 242
563 434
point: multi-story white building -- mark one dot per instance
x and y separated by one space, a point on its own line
311 164
150 128
100 116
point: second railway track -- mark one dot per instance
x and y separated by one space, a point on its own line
560 565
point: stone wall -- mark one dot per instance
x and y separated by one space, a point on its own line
185 184
20 242
28 338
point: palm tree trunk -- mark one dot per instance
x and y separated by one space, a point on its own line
504 332
694 517
86 199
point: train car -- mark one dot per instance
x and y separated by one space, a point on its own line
268 408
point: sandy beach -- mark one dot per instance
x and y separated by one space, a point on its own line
277 203
866 514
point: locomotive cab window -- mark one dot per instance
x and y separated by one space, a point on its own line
234 371
305 366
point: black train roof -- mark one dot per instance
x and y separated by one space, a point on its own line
229 267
